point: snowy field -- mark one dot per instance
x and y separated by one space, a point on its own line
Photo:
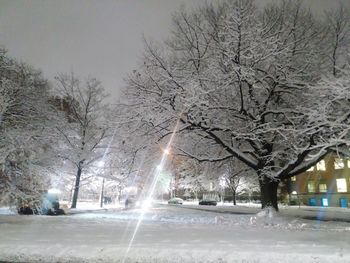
177 234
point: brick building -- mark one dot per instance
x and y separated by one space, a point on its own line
325 184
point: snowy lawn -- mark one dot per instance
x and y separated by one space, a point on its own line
305 212
173 234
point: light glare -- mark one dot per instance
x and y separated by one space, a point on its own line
54 191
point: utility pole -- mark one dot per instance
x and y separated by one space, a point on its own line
102 189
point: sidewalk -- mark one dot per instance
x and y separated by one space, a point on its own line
318 213
304 212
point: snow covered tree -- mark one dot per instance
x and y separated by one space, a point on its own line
85 133
337 33
237 177
25 121
243 83
197 177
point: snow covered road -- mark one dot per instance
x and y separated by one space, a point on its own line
171 234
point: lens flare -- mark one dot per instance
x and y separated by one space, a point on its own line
156 171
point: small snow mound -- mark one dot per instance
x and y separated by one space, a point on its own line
267 212
270 218
218 219
267 217
253 220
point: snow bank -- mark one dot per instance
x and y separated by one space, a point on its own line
150 255
7 211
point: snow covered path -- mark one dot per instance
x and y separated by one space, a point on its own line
171 234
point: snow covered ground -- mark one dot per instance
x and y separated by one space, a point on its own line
175 234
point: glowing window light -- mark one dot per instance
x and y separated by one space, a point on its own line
341 185
338 163
322 188
311 169
324 201
311 187
321 166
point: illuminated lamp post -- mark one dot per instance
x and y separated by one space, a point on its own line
101 164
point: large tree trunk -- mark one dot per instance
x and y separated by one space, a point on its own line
76 188
268 189
234 197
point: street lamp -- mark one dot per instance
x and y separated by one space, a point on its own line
222 183
102 189
101 165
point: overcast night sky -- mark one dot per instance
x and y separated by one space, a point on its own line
97 38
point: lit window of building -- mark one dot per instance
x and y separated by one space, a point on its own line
321 166
324 202
322 188
338 163
294 178
341 185
311 186
311 169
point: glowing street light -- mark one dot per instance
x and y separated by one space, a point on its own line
101 165
54 191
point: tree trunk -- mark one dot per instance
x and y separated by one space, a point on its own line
76 188
234 197
268 189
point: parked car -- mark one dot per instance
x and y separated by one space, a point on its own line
207 202
176 201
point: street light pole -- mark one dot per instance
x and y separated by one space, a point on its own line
102 189
101 165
